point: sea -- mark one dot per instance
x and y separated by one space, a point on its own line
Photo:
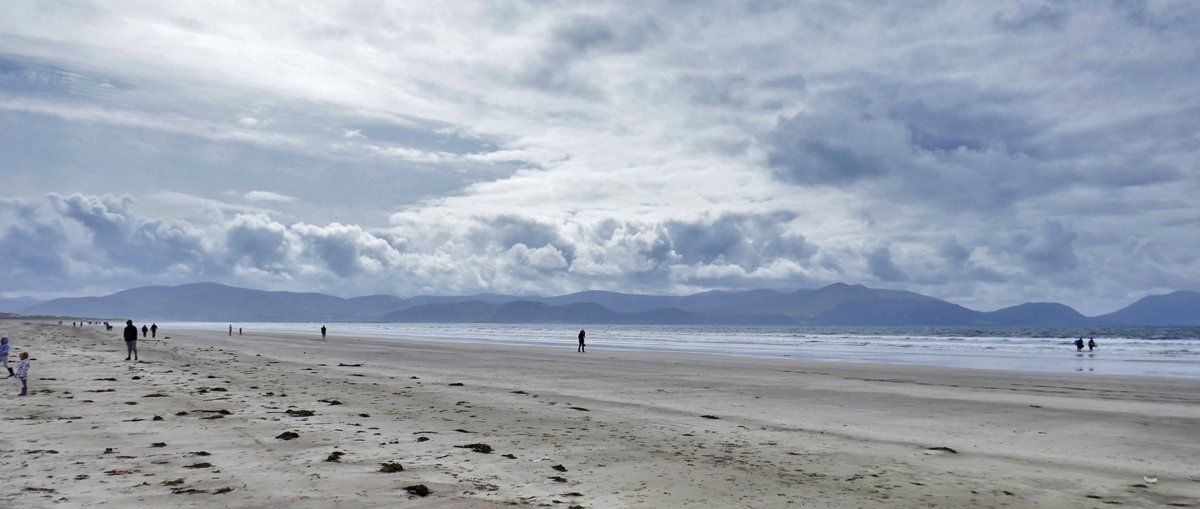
1155 351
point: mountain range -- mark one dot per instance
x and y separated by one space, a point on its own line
836 304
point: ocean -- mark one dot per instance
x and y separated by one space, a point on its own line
1157 351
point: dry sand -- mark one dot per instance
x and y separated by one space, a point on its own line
195 424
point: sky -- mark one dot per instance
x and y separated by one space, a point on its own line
988 153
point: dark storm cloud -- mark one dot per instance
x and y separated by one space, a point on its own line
880 264
573 42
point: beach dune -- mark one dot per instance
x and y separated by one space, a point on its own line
286 420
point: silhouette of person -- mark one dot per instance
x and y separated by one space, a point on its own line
581 348
231 329
1079 345
154 330
239 331
323 333
145 331
130 340
1091 344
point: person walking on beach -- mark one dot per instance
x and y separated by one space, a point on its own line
145 331
23 373
582 334
130 340
154 330
231 329
1091 344
4 356
323 330
1079 345
239 331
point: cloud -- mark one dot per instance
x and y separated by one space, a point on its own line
267 196
990 153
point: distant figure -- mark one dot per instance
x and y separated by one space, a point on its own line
231 329
581 348
1091 344
72 325
4 355
239 331
1079 345
23 373
130 340
323 330
154 330
145 331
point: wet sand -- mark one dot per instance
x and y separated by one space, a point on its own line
202 422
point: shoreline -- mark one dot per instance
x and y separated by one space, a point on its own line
1103 362
631 429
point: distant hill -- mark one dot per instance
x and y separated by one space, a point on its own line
204 302
836 304
1178 308
1036 313
11 304
524 311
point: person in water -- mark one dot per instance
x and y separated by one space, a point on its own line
1091 344
323 330
582 334
130 340
1079 345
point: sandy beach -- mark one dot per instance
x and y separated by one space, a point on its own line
207 420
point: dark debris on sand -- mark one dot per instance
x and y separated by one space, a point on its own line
419 490
477 447
710 417
288 435
391 467
334 457
299 413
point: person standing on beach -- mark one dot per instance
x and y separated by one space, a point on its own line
145 331
4 355
1091 344
154 330
582 334
231 329
130 340
239 331
323 330
23 373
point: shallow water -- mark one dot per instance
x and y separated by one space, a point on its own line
1163 351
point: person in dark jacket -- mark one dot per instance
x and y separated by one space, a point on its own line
154 330
1091 344
323 331
145 331
581 348
1079 345
130 340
